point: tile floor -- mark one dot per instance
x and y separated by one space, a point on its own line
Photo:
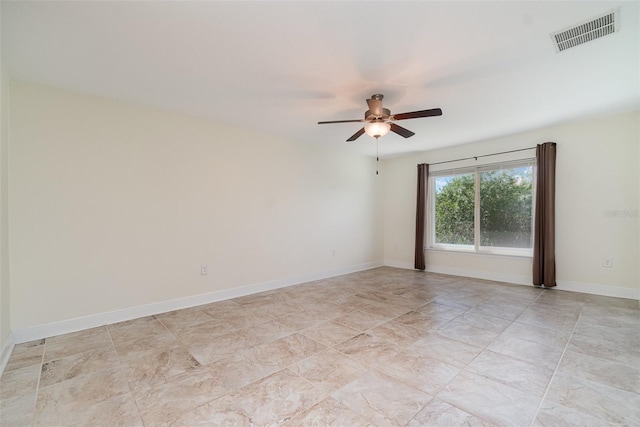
384 347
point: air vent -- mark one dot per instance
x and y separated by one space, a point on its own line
587 31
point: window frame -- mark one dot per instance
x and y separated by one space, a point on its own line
476 248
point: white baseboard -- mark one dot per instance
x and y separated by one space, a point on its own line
399 264
100 319
463 272
561 285
516 279
597 289
5 353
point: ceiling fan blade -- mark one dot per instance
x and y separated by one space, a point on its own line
356 135
401 131
418 114
342 121
375 106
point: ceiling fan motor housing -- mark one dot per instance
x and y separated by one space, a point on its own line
386 113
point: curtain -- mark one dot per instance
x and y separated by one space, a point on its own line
421 207
544 237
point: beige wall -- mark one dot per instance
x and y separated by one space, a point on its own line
115 206
597 171
5 326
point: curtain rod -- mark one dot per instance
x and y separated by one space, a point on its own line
484 155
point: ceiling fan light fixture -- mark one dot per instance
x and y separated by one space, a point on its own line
377 129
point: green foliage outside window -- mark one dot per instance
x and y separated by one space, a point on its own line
454 210
505 208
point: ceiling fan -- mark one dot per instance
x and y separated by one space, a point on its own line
379 121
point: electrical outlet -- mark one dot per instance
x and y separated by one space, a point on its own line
204 269
607 262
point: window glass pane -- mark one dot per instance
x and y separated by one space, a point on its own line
454 200
505 207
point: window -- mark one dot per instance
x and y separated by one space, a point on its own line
488 209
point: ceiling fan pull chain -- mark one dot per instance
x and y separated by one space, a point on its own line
377 156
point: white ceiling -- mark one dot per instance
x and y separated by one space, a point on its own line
280 67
